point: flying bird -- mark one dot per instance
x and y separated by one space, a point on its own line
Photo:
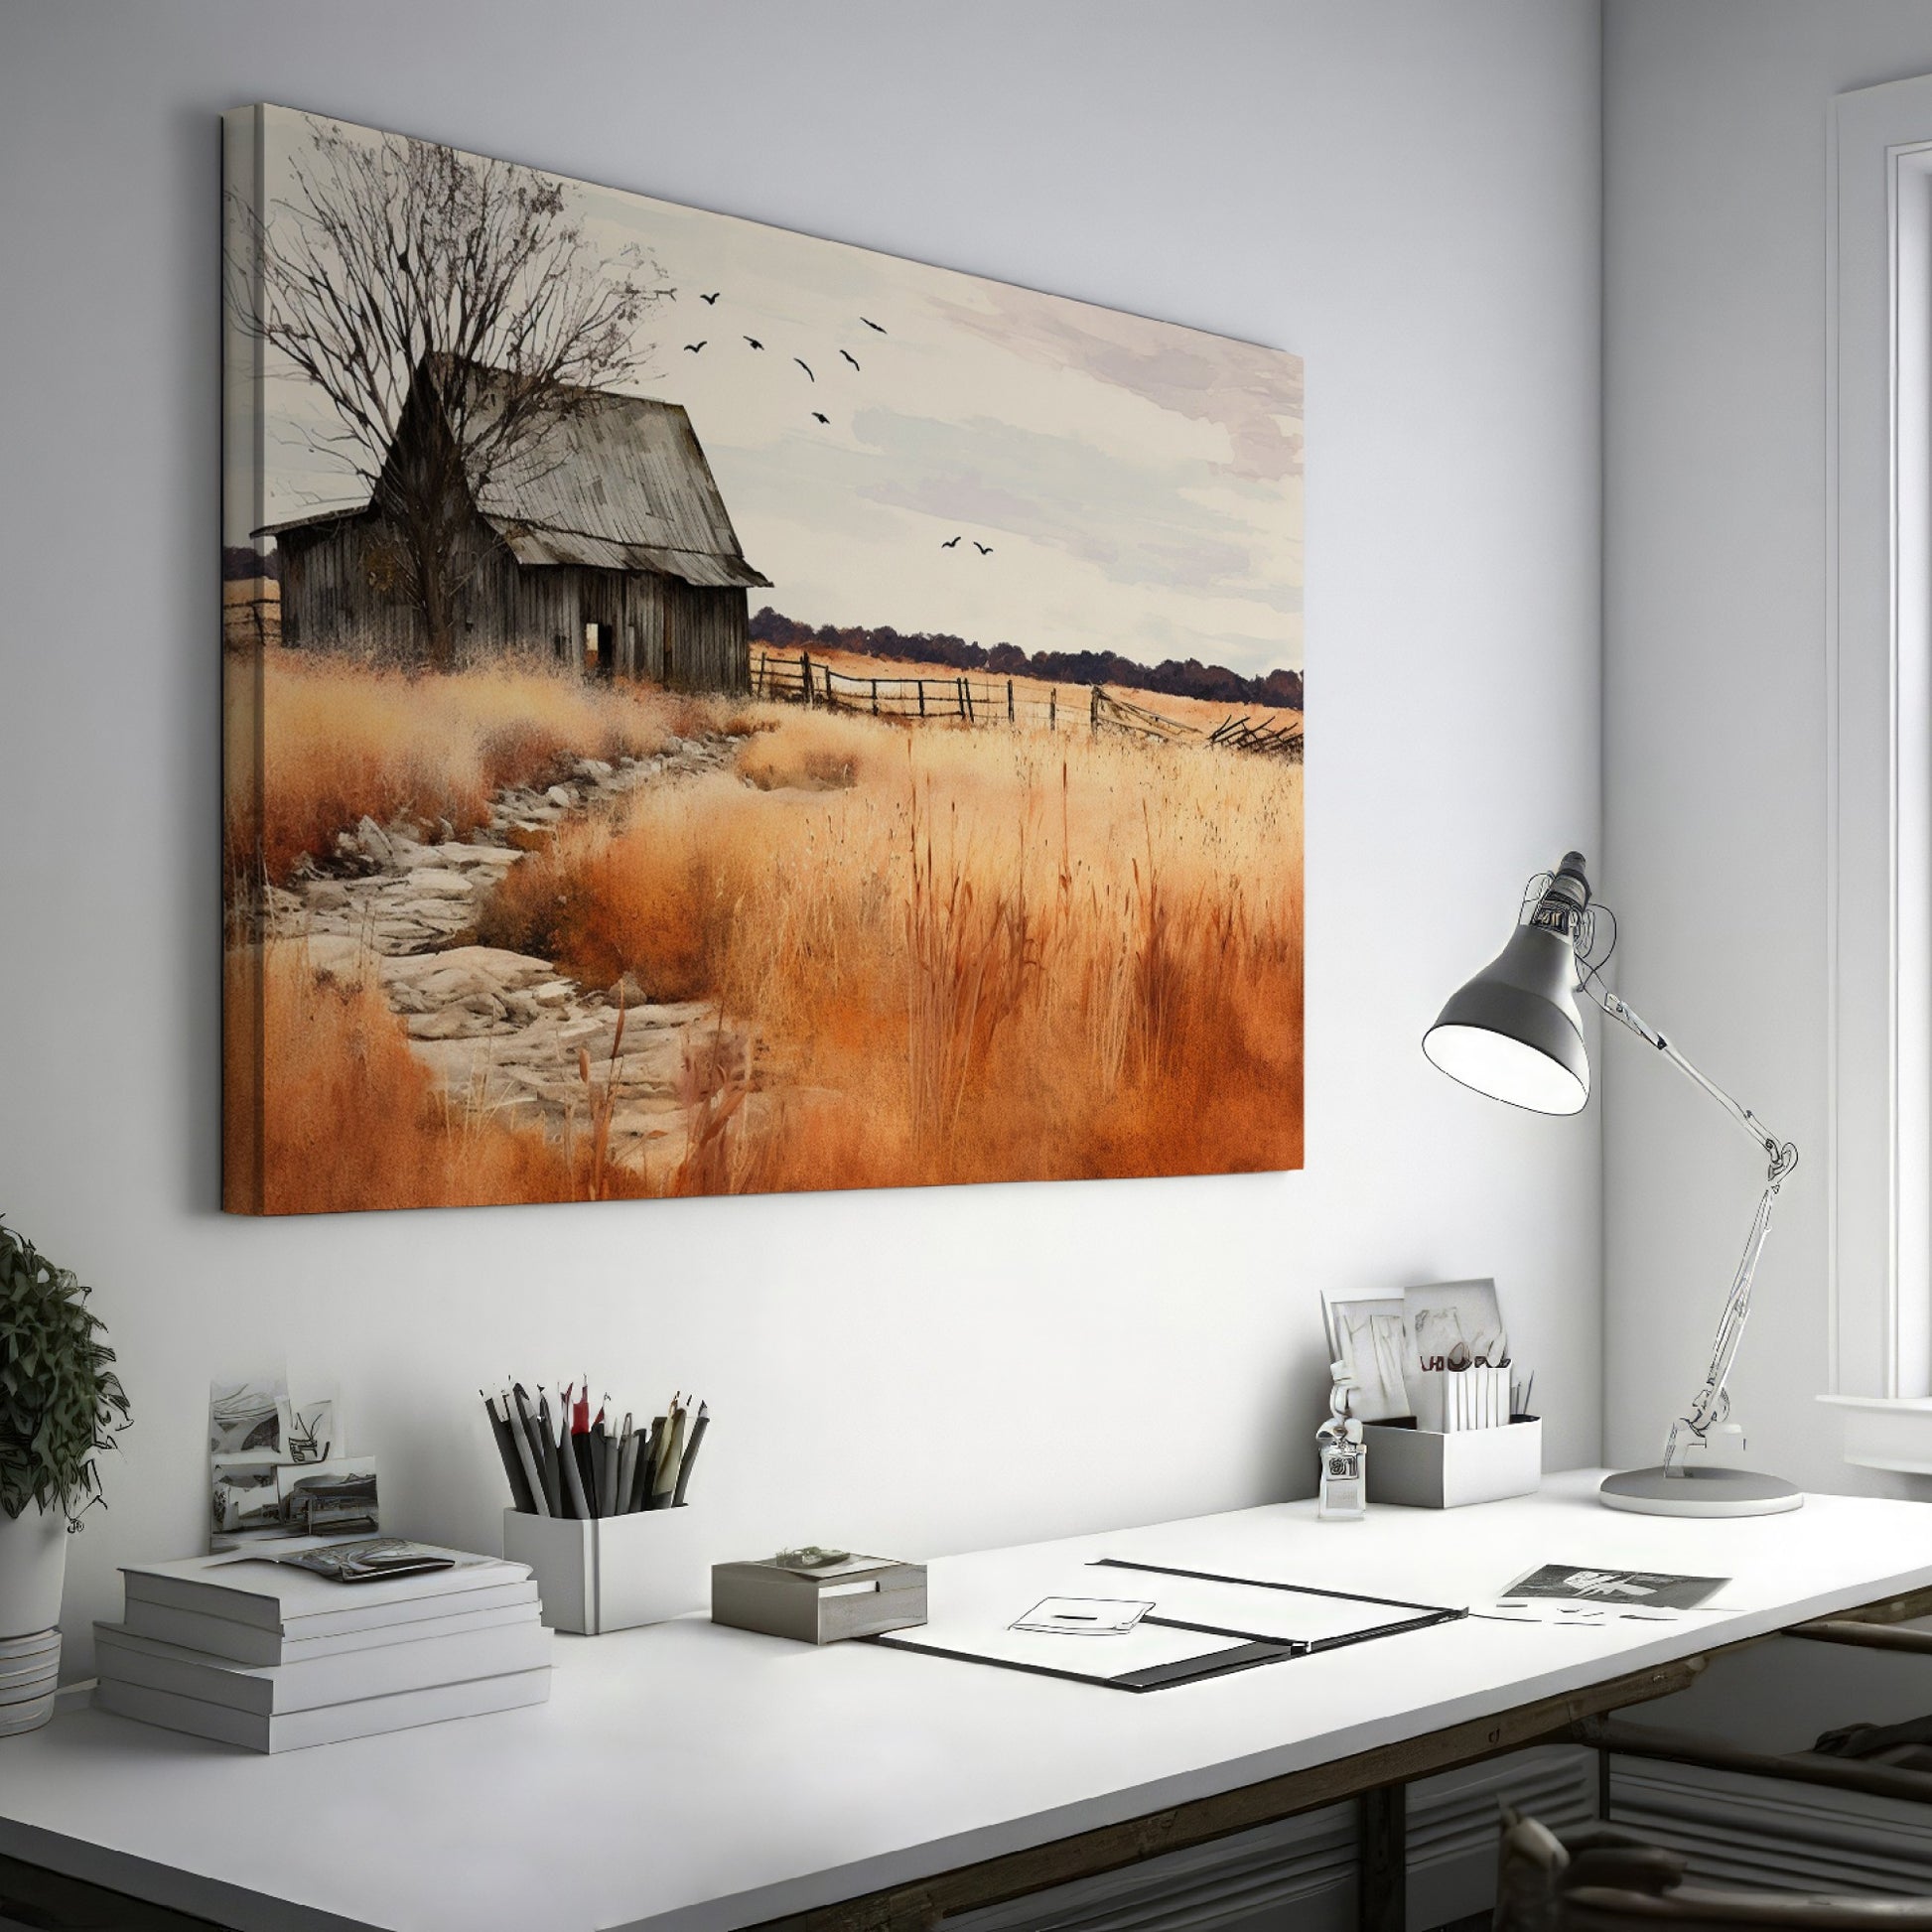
817 418
870 324
708 299
691 348
985 549
950 541
850 357
754 341
806 366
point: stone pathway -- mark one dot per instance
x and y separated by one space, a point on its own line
506 1034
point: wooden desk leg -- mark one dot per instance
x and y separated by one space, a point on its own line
1382 1867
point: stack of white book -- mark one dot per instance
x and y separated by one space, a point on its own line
255 1651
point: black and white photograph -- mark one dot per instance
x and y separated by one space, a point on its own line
1369 1338
246 1419
246 1497
309 1430
1628 1589
331 1498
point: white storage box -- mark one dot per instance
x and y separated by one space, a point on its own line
612 1572
1430 1471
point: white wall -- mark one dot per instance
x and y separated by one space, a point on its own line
1406 194
1715 144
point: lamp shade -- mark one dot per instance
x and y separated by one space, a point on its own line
1513 1031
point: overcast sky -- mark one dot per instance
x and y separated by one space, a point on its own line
1140 484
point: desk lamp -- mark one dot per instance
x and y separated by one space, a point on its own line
1514 1032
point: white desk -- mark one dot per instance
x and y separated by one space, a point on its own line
689 1777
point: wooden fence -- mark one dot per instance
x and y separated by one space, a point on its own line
1283 741
994 701
968 700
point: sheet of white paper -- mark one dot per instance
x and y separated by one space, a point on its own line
1146 1646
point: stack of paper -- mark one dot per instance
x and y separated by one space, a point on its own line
256 1652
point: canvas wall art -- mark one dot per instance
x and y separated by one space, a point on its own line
710 709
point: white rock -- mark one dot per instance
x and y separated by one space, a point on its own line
437 882
495 964
561 798
451 1022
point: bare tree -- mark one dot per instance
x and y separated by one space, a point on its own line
450 310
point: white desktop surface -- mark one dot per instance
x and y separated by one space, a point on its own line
688 1777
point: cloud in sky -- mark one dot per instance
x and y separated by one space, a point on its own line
1140 484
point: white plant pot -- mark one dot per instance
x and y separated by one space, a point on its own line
33 1567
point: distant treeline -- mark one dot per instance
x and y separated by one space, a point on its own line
240 561
1192 679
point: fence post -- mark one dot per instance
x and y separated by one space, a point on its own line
1008 701
875 697
959 692
922 697
1093 712
1053 709
805 681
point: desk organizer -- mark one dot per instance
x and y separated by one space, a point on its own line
612 1572
859 1599
1431 1470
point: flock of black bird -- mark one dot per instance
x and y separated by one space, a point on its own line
818 416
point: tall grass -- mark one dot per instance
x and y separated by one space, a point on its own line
350 1118
958 954
340 739
977 955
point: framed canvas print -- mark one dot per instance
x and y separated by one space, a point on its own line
710 709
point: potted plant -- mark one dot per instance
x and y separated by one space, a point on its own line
61 1405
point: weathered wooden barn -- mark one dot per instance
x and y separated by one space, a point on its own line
606 545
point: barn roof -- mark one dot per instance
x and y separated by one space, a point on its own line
616 482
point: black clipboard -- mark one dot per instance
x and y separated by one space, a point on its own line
1256 1652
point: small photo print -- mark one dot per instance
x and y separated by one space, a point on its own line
331 1498
246 1496
1646 1589
1455 1325
1368 1336
245 1418
309 1432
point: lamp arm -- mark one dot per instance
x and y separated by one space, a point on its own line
1711 1402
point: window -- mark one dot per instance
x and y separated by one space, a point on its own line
1878 701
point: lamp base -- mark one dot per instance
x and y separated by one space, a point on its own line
1715 1490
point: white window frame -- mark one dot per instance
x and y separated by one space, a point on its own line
1879 699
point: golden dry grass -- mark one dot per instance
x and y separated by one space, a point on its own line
340 739
964 954
968 955
351 1119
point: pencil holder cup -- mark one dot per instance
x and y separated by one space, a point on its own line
612 1572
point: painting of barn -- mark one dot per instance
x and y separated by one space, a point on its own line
560 868
603 544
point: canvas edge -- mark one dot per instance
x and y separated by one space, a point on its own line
244 483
